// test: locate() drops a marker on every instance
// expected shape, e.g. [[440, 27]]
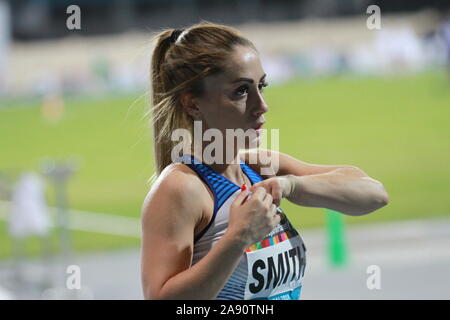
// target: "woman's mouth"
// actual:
[[258, 128]]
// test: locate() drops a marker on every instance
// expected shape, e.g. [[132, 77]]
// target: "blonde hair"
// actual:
[[180, 67]]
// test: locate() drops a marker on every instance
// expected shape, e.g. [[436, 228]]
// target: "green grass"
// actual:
[[395, 129], [81, 241]]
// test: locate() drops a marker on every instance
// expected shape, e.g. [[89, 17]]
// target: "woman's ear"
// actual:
[[189, 104]]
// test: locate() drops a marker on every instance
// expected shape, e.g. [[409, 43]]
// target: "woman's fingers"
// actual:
[[276, 193], [268, 200], [259, 193], [273, 187], [240, 199]]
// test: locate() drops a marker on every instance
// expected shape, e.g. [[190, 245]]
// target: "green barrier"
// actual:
[[337, 247]]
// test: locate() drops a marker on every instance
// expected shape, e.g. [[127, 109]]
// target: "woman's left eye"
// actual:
[[262, 86]]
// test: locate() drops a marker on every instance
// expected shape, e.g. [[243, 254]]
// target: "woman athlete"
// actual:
[[205, 237]]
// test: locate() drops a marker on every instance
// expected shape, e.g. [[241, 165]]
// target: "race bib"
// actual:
[[276, 265]]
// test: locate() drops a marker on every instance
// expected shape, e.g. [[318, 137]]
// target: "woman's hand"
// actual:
[[278, 187], [252, 216]]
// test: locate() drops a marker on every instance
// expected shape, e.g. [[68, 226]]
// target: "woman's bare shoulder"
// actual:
[[177, 177], [177, 186]]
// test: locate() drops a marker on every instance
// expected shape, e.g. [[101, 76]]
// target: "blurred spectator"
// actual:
[[398, 50], [29, 213], [445, 33], [5, 43]]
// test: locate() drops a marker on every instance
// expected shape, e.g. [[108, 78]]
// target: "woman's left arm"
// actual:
[[346, 189]]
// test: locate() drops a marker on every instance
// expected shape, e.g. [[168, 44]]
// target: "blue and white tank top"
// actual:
[[270, 269]]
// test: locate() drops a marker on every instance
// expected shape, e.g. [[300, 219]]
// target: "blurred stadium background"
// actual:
[[75, 143]]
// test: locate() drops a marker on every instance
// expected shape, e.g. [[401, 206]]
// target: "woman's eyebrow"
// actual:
[[248, 79]]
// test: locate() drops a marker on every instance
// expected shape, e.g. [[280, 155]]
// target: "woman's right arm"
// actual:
[[170, 215]]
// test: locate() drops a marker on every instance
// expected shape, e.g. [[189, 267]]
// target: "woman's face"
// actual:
[[233, 99]]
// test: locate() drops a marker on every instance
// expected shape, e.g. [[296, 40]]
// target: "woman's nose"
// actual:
[[261, 106]]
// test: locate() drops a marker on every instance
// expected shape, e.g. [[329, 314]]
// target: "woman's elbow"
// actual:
[[372, 201], [384, 199], [147, 293], [381, 197], [376, 201], [150, 292], [153, 295]]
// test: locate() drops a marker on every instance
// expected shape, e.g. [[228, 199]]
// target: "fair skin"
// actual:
[[179, 205]]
